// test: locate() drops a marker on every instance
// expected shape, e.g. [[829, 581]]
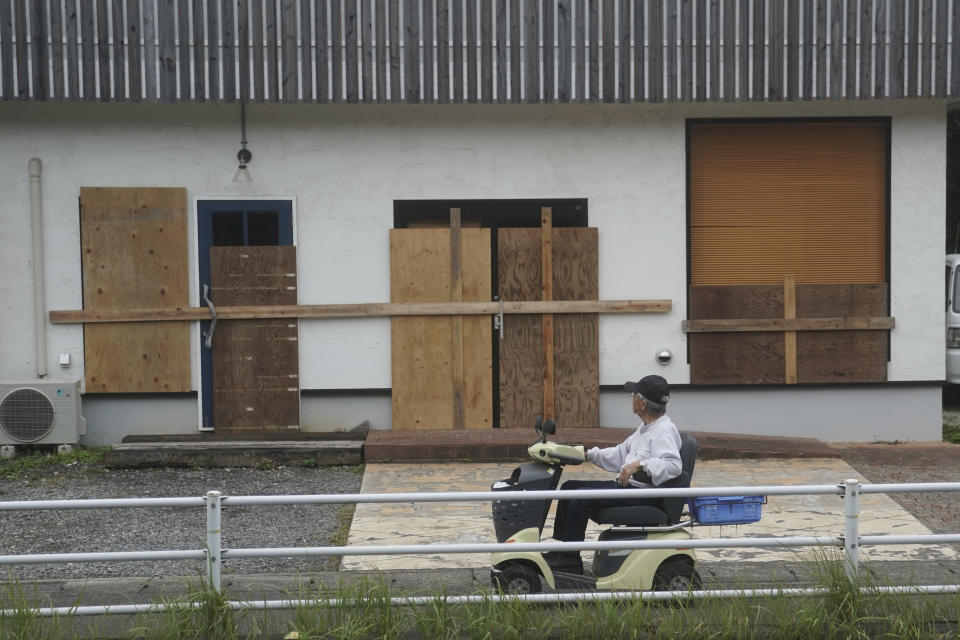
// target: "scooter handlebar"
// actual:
[[564, 457], [556, 452]]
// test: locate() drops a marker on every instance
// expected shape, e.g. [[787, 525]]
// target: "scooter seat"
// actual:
[[670, 508], [632, 516]]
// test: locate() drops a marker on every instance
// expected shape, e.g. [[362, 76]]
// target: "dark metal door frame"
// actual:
[[205, 239]]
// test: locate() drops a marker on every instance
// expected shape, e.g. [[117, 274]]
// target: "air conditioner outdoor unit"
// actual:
[[40, 412]]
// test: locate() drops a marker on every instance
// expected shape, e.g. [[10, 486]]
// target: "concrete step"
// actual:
[[234, 453]]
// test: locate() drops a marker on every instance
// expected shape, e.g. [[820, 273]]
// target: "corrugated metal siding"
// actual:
[[806, 199], [438, 51]]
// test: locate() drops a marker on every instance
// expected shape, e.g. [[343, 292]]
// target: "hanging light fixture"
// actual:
[[244, 156]]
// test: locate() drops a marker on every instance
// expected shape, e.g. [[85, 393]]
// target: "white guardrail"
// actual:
[[215, 555]]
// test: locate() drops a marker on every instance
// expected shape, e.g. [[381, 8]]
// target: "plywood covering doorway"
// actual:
[[572, 367], [527, 377], [441, 366], [255, 362], [248, 388]]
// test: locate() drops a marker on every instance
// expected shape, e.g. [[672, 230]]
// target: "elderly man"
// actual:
[[649, 457]]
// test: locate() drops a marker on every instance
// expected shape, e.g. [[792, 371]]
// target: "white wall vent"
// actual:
[[40, 412]]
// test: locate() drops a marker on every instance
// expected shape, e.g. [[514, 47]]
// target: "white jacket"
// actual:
[[657, 444]]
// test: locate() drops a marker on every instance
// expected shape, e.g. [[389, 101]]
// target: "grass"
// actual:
[[951, 433], [843, 613], [951, 413], [202, 614], [25, 623], [37, 460], [344, 518]]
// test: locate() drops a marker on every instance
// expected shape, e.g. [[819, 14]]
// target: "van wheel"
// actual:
[[518, 579], [676, 576]]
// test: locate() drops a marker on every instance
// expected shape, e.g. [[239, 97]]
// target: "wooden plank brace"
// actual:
[[363, 310], [546, 283], [790, 337], [456, 295]]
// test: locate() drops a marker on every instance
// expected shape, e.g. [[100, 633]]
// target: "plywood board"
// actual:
[[741, 358], [477, 331], [736, 301], [255, 385], [421, 347], [421, 356], [253, 275], [841, 300], [842, 356], [576, 336], [521, 349], [576, 340], [255, 362], [134, 256], [758, 357]]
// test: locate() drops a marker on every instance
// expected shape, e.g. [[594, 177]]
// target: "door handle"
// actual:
[[208, 338], [498, 319]]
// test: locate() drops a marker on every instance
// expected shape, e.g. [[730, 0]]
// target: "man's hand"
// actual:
[[628, 470]]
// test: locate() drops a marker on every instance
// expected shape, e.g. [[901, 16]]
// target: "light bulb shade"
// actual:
[[244, 156], [242, 176]]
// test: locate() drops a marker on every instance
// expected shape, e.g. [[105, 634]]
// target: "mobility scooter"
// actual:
[[629, 570]]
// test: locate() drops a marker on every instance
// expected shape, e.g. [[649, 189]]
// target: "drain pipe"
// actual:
[[39, 291]]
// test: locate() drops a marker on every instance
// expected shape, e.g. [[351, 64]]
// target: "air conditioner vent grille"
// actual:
[[26, 415]]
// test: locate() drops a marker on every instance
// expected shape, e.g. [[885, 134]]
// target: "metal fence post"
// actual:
[[213, 538], [851, 536]]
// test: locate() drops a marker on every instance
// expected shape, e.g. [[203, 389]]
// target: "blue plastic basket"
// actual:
[[727, 509]]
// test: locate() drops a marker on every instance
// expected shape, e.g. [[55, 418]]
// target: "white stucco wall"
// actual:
[[345, 166]]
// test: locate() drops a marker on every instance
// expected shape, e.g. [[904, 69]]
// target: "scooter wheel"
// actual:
[[676, 576], [518, 579]]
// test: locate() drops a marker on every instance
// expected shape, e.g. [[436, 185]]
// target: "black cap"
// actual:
[[653, 388]]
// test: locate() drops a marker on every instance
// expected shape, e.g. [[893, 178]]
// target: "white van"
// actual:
[[953, 318]]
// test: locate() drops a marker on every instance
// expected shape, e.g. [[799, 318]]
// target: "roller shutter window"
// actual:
[[772, 199], [806, 199]]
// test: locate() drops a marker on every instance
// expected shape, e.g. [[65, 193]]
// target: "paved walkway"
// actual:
[[913, 462], [467, 522]]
